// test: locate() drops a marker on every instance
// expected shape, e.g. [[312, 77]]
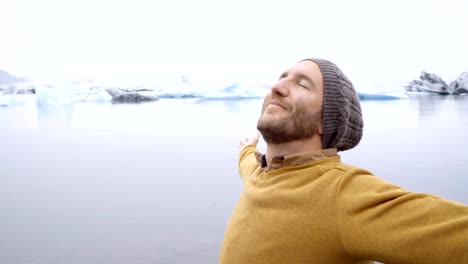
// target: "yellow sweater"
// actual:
[[328, 212]]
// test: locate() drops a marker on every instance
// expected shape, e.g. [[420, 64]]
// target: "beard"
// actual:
[[299, 124]]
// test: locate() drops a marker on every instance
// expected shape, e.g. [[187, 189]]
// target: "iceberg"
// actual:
[[123, 96], [67, 92], [377, 97], [431, 83], [18, 88], [94, 94], [3, 100], [460, 85], [54, 94]]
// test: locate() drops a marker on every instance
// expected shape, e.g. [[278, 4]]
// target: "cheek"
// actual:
[[267, 95], [265, 100], [314, 103]]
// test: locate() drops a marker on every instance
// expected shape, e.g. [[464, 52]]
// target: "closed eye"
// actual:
[[303, 85]]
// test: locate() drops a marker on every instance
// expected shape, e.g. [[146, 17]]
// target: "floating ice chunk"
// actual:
[[3, 100], [431, 83], [93, 94], [67, 92], [377, 97], [122, 96], [460, 85], [60, 93]]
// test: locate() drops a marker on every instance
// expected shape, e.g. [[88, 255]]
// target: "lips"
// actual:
[[277, 104]]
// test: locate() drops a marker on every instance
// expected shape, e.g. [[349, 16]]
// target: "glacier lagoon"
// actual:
[[96, 182]]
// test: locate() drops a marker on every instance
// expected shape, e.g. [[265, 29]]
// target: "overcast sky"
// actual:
[[371, 41]]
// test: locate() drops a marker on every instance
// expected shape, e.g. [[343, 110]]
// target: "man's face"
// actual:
[[292, 109]]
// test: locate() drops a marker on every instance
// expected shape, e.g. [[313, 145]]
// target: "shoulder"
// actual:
[[333, 165], [350, 177]]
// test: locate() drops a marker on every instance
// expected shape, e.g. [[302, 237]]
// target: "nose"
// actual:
[[280, 88]]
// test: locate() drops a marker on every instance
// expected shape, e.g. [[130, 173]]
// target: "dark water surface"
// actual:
[[156, 183]]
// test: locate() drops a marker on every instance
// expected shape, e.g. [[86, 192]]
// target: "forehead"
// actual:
[[309, 69]]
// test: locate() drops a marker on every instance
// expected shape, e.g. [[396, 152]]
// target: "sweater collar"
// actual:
[[294, 159]]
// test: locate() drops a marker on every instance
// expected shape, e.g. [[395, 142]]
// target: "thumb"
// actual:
[[254, 140]]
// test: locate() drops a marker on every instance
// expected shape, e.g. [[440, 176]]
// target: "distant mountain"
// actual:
[[6, 78]]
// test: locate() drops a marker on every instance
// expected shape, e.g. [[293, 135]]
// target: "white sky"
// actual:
[[372, 41]]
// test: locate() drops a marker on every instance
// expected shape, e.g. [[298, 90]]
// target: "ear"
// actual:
[[320, 128]]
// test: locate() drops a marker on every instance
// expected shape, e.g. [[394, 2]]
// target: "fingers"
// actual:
[[252, 141], [256, 137], [243, 143], [249, 141]]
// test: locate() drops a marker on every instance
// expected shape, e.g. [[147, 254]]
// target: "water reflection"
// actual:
[[440, 108], [428, 106], [461, 107], [55, 114]]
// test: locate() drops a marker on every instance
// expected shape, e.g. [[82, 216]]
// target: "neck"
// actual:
[[312, 144]]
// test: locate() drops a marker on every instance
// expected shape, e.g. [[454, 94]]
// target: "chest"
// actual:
[[286, 221]]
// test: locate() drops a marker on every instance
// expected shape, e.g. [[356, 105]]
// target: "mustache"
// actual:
[[275, 101]]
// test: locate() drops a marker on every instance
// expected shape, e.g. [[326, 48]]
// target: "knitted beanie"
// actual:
[[342, 117]]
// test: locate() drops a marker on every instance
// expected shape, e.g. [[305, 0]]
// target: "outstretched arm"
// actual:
[[247, 160], [249, 141], [384, 222]]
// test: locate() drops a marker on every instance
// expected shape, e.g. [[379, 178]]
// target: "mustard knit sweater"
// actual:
[[329, 212]]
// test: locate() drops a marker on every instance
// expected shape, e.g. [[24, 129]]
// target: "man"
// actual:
[[300, 204]]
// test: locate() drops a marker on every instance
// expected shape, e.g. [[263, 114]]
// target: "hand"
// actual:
[[249, 141]]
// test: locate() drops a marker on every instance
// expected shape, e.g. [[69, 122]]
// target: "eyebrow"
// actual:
[[298, 75]]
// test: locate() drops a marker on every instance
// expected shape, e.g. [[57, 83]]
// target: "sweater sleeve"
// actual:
[[386, 223], [247, 162]]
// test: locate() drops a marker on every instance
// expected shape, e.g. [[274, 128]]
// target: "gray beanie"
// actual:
[[342, 117]]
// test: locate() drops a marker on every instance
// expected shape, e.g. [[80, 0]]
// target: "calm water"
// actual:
[[156, 183]]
